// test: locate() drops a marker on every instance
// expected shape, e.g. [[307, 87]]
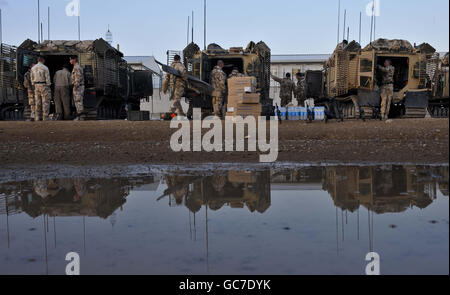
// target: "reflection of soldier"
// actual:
[[287, 86], [387, 87], [40, 79], [46, 188], [30, 90], [177, 85], [218, 81], [80, 188]]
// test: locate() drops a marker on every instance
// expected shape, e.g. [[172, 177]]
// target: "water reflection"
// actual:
[[378, 189]]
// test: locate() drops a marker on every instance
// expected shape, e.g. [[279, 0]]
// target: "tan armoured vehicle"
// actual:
[[351, 78], [254, 61]]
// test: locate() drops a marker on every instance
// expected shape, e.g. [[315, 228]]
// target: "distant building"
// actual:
[[109, 37], [159, 103], [293, 63]]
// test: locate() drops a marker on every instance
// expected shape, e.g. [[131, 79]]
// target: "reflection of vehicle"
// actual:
[[384, 189], [352, 79], [111, 85], [235, 189], [65, 197], [253, 61]]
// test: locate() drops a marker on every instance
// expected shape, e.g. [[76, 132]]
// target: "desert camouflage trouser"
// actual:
[[176, 102], [78, 98], [218, 102], [42, 96], [285, 101], [31, 102], [387, 93]]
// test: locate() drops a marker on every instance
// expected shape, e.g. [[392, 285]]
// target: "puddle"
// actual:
[[269, 220]]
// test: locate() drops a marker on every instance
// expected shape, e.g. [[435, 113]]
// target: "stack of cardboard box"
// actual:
[[242, 97]]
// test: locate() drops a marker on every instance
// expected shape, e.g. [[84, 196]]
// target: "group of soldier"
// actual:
[[288, 87], [218, 80], [38, 84]]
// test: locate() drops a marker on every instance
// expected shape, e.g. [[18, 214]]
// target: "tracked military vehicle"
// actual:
[[112, 87], [438, 68], [351, 78], [254, 61]]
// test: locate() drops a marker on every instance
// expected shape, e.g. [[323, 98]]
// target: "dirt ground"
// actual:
[[120, 142]]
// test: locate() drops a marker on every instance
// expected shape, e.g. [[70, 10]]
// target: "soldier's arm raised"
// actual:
[[276, 78]]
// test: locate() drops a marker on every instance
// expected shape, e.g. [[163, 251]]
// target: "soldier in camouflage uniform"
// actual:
[[236, 73], [286, 89], [218, 81], [300, 89], [78, 87], [40, 80], [30, 89], [387, 87], [177, 86]]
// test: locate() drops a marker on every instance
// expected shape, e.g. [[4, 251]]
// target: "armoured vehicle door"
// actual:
[[142, 83], [25, 59], [367, 70]]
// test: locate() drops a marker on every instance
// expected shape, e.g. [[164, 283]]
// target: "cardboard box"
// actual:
[[251, 98], [245, 110], [240, 85]]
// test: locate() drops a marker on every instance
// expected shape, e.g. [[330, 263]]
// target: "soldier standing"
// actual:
[[235, 73], [40, 79], [62, 81], [177, 86], [78, 87], [300, 89], [30, 90], [218, 81], [387, 87], [287, 86]]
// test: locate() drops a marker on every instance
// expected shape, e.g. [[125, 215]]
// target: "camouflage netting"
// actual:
[[445, 60], [395, 45], [68, 46], [426, 48], [190, 51]]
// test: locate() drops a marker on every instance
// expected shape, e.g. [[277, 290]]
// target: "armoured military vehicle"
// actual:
[[351, 78], [438, 69], [254, 61], [112, 87]]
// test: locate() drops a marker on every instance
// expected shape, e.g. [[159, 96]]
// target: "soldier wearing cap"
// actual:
[[177, 86]]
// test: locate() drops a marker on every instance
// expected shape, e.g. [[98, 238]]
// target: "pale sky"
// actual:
[[151, 27]]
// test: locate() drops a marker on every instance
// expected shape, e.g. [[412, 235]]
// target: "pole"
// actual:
[[204, 26], [374, 26], [1, 28], [345, 18], [360, 24], [339, 21], [39, 22], [371, 26], [348, 34], [192, 26], [48, 22], [188, 27]]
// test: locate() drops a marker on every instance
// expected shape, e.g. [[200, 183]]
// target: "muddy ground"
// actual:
[[120, 142]]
